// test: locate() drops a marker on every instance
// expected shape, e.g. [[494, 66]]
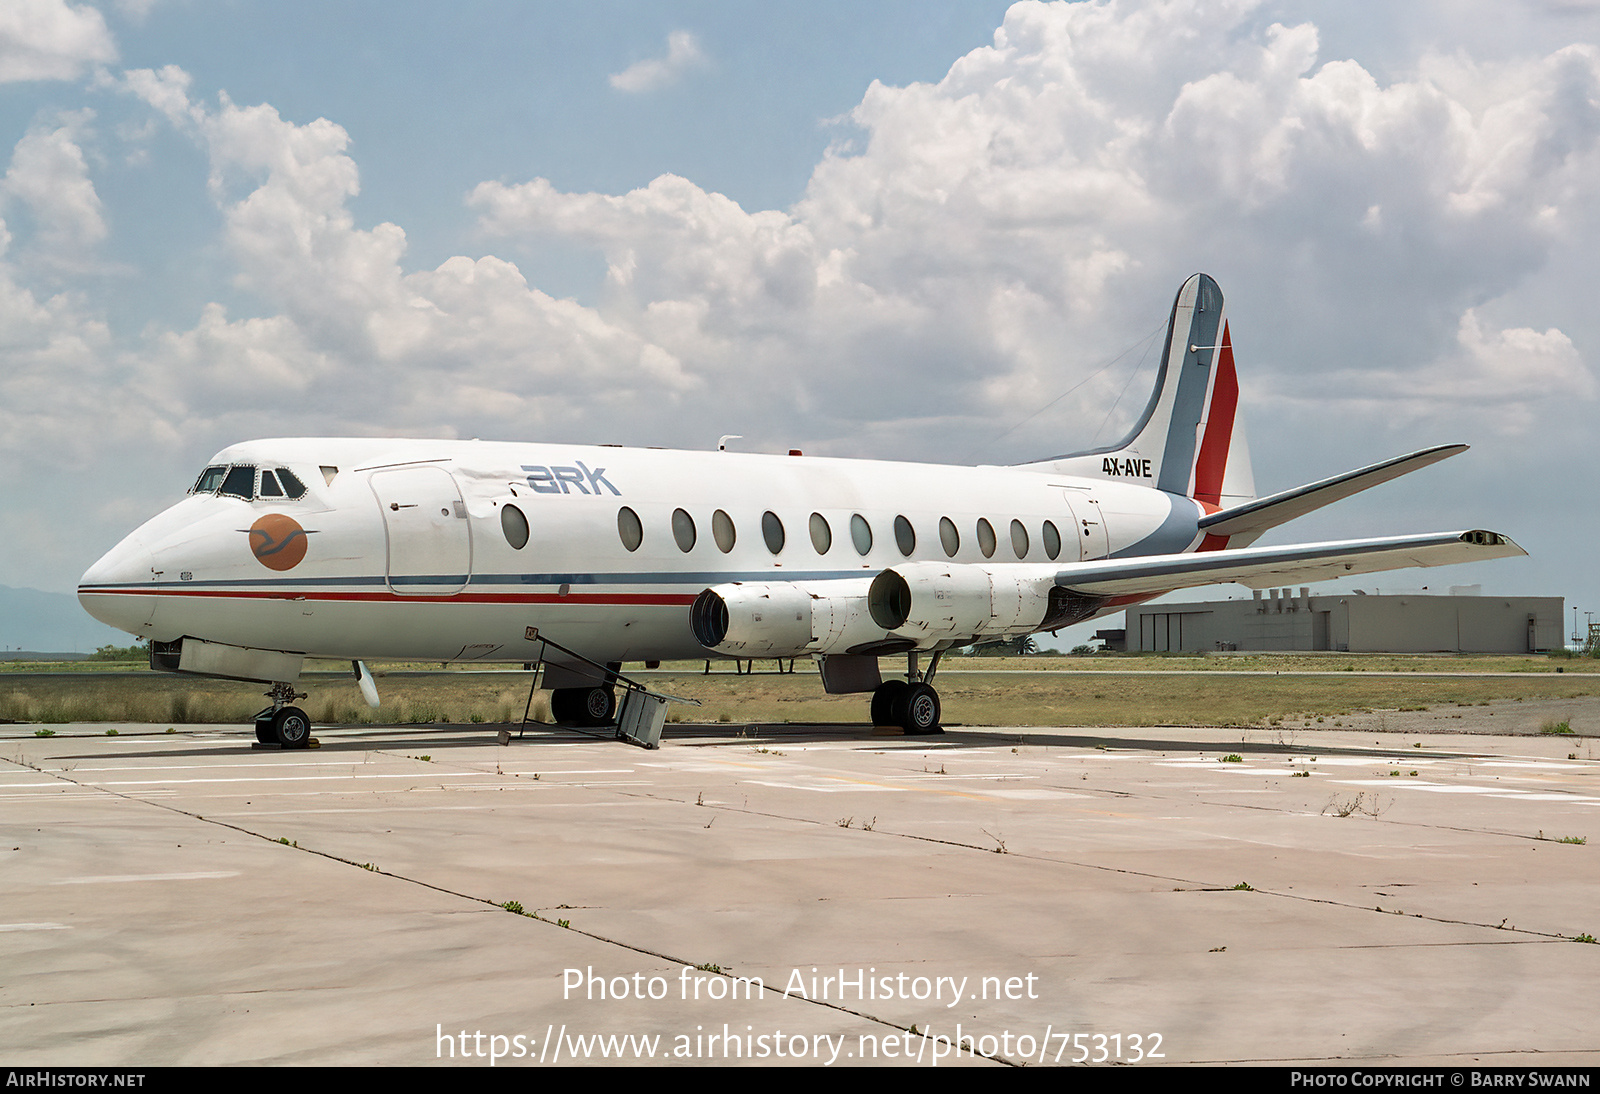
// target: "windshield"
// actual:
[[245, 482]]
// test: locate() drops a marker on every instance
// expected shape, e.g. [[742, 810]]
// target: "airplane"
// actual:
[[575, 559]]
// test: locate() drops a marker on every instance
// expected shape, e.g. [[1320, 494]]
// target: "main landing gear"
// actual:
[[282, 724], [592, 706], [910, 704]]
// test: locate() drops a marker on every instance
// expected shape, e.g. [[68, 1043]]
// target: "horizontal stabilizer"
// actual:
[[1264, 567], [1255, 517]]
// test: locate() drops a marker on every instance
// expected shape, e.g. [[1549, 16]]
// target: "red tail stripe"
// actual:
[[1213, 461]]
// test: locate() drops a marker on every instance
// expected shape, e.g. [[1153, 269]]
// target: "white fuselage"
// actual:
[[403, 548]]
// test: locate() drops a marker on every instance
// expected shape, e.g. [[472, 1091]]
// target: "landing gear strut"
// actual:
[[911, 704], [282, 724]]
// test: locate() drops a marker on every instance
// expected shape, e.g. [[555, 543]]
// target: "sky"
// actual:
[[940, 231]]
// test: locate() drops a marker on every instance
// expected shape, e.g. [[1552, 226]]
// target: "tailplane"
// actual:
[[1190, 439]]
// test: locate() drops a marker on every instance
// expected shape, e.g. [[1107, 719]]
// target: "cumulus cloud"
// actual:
[[49, 175], [1082, 165], [363, 342], [967, 251], [683, 54], [166, 89], [51, 40]]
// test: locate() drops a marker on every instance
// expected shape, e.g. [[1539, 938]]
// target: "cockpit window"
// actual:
[[209, 480], [240, 483], [291, 485]]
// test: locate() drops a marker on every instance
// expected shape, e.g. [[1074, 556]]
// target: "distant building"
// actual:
[[1283, 619]]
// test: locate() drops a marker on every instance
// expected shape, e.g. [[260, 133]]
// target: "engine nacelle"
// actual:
[[932, 602], [784, 618]]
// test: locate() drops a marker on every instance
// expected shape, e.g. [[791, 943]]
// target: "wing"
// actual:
[[1264, 567], [926, 603]]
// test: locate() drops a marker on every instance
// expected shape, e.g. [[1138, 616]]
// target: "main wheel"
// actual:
[[883, 702], [583, 706], [599, 706], [264, 731], [291, 728], [917, 709]]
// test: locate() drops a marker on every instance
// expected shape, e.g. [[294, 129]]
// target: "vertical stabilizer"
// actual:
[[1190, 439]]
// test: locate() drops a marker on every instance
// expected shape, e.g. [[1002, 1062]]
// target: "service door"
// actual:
[[1090, 524], [429, 541]]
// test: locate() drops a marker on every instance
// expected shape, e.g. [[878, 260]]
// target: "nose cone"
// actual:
[[118, 590]]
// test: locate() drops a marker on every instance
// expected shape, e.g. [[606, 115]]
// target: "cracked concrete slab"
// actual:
[[181, 898]]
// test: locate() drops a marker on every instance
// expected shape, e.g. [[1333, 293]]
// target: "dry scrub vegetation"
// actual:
[[1026, 691]]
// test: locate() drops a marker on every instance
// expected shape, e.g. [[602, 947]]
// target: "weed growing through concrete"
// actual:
[[1349, 806]]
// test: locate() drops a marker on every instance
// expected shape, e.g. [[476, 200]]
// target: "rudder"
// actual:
[[1189, 440]]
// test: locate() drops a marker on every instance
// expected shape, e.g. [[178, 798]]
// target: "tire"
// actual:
[[918, 709], [883, 702], [291, 728], [583, 706], [264, 731], [599, 706], [564, 706]]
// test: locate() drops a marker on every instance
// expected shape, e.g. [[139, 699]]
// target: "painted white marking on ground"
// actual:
[[117, 879]]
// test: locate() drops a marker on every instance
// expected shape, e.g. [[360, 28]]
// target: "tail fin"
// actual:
[[1189, 440]]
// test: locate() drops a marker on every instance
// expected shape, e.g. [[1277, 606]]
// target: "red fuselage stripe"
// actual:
[[394, 598]]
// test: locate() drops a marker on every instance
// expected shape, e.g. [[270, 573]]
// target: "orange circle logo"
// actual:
[[278, 542]]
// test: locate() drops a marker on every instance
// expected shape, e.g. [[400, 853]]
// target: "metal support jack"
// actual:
[[641, 713]]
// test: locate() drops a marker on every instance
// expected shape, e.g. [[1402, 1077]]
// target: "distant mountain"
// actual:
[[53, 622]]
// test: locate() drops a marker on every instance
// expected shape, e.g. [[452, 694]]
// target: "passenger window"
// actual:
[[683, 530], [949, 538], [860, 534], [240, 483], [291, 485], [821, 534], [269, 485], [722, 531], [629, 528], [772, 531], [515, 526], [1052, 540], [1019, 539], [986, 539], [905, 537]]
